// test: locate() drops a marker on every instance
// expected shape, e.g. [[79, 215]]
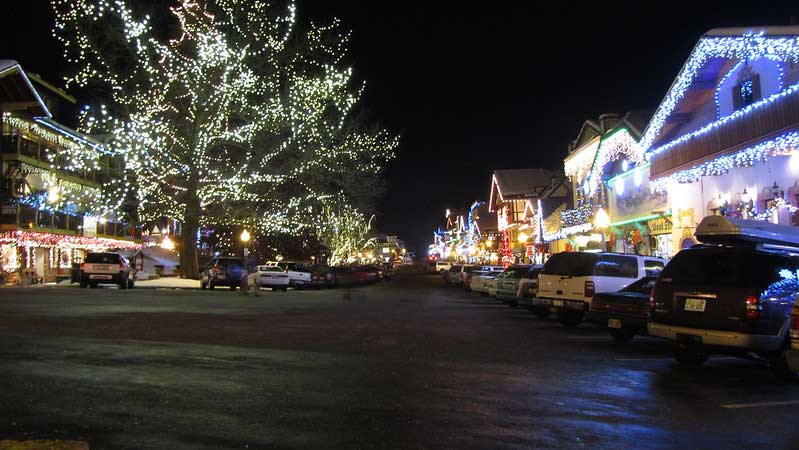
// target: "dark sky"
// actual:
[[477, 88]]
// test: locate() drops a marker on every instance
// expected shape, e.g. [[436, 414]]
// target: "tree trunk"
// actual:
[[189, 263]]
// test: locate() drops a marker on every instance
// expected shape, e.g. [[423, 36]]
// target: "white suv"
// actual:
[[568, 281]]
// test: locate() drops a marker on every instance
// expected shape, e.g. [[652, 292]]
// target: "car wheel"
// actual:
[[211, 285], [570, 318], [232, 287], [285, 289], [542, 313], [622, 336], [83, 284], [92, 285], [203, 286], [123, 283], [131, 284], [690, 356]]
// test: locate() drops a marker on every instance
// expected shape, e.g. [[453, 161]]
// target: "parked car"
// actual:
[[528, 290], [299, 273], [732, 295], [322, 276], [222, 271], [343, 276], [461, 277], [568, 281], [442, 267], [453, 275], [491, 287], [106, 268], [374, 273], [508, 283], [625, 312], [272, 277], [481, 279], [388, 271], [361, 275]]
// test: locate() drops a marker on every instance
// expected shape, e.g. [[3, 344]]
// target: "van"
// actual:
[[568, 281]]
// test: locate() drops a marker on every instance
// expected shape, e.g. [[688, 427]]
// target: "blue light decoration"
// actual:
[[577, 216], [611, 148], [781, 145], [749, 46]]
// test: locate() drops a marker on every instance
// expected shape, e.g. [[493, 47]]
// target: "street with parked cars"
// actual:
[[735, 293]]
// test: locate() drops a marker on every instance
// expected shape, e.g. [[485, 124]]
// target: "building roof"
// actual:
[[17, 94], [523, 182]]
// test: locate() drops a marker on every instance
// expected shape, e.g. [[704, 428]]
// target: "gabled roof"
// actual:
[[716, 52], [522, 182], [17, 94]]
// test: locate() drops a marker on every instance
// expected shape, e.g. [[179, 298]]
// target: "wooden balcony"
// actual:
[[757, 125]]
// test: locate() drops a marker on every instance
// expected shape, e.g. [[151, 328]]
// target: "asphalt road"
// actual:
[[408, 364]]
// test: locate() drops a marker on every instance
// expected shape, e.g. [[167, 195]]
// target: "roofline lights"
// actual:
[[30, 85]]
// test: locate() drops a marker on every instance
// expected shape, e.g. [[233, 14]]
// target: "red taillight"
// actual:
[[121, 266], [82, 266], [589, 288], [753, 307]]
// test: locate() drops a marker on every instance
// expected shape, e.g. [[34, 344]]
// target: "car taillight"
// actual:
[[121, 266], [753, 307], [589, 288], [652, 300], [82, 266], [795, 327]]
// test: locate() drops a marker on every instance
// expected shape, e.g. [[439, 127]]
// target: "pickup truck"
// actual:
[[299, 273], [106, 268]]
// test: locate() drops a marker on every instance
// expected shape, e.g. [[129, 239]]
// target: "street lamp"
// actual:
[[53, 195], [601, 222], [245, 236]]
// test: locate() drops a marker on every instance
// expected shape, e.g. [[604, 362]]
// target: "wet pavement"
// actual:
[[408, 364]]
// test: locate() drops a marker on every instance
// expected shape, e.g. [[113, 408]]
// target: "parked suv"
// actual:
[[731, 294], [222, 271], [106, 268], [569, 280]]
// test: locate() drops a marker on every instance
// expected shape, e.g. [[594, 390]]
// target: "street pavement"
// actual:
[[406, 364]]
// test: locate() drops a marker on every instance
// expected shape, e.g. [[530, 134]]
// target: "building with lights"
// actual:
[[57, 186], [514, 198], [725, 138]]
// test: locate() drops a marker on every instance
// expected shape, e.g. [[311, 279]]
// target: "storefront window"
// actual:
[[8, 257]]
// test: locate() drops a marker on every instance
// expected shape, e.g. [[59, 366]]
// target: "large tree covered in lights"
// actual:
[[344, 230], [239, 117]]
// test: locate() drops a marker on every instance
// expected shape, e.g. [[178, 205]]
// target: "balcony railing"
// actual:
[[40, 220], [760, 123]]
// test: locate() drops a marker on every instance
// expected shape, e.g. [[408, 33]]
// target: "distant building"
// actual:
[[52, 179]]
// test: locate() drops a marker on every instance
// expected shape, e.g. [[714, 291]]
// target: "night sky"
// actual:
[[477, 88]]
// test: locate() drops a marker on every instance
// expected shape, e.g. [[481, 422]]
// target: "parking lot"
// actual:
[[410, 363]]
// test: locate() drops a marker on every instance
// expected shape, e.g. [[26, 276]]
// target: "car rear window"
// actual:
[[513, 272], [618, 266], [729, 268], [224, 262], [102, 258], [570, 264], [532, 272]]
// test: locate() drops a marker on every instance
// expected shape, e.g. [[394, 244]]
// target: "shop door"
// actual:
[[40, 256]]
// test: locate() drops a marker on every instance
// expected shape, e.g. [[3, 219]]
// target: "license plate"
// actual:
[[558, 303], [695, 304], [614, 323], [100, 277]]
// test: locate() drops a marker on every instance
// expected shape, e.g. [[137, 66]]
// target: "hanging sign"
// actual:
[[661, 225]]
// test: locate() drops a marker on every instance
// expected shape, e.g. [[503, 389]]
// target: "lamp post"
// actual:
[[601, 222], [245, 239]]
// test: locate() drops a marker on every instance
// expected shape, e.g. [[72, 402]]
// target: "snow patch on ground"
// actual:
[[169, 283]]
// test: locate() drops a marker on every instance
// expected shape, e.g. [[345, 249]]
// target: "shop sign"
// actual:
[[660, 225]]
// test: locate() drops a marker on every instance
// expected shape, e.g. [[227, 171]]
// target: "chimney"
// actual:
[[608, 121]]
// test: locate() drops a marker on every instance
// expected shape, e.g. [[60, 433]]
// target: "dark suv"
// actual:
[[222, 271], [731, 299]]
